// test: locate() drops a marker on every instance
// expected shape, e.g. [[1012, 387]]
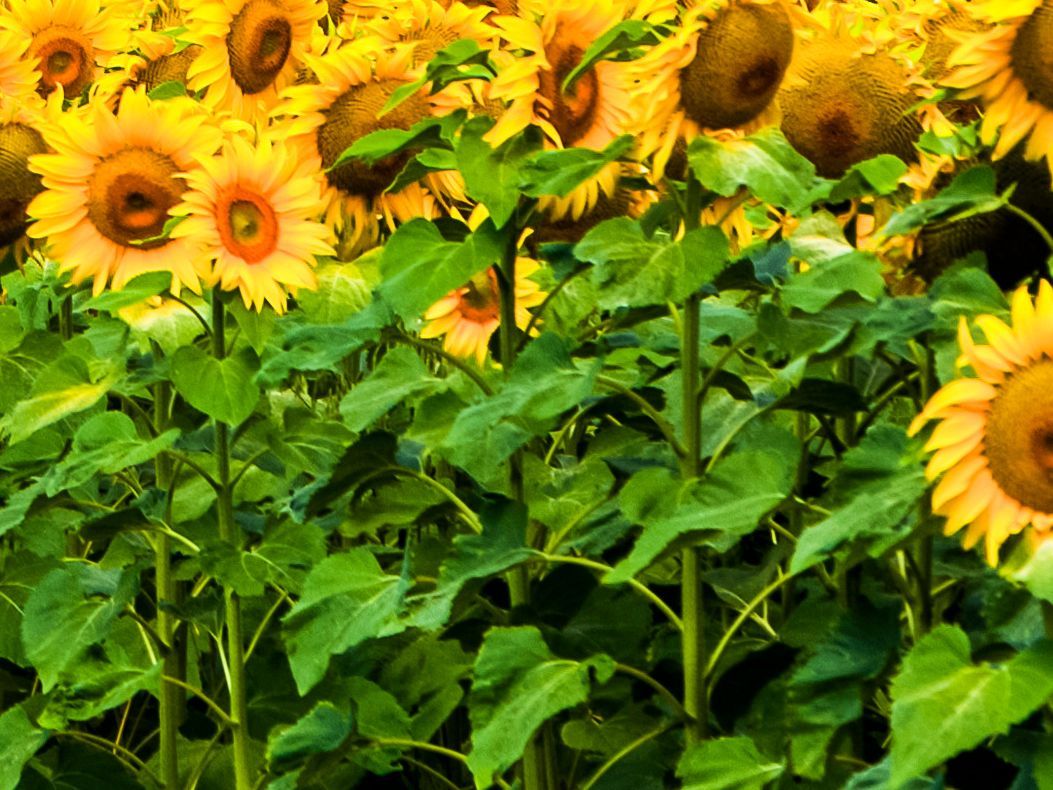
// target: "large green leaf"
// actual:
[[717, 510], [71, 609], [346, 600], [630, 270], [420, 267], [493, 176], [400, 375], [223, 389], [19, 741], [323, 729], [971, 192], [726, 764], [518, 685]]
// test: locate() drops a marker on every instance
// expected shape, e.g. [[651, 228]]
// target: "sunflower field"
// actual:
[[528, 394]]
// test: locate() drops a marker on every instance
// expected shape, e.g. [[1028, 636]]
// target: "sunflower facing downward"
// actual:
[[1008, 64], [249, 218], [250, 50], [110, 183], [467, 317], [994, 443]]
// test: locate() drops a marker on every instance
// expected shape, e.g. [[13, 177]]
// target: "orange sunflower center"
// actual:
[[66, 58], [1018, 440], [129, 195], [480, 302], [353, 115], [572, 113], [247, 224], [1032, 54], [17, 185], [742, 57], [258, 45]]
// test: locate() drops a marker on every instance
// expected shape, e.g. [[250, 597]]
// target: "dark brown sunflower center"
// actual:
[[168, 68], [568, 229], [129, 195], [258, 45], [479, 302], [742, 56], [842, 108], [572, 113], [1018, 440], [353, 115], [66, 59], [430, 41], [17, 143], [247, 225], [1032, 54]]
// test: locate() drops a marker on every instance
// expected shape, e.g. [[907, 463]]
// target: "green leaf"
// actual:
[[134, 291], [383, 143], [493, 176], [815, 289], [344, 289], [322, 730], [168, 90], [462, 60], [223, 389], [518, 685], [881, 482], [631, 270], [621, 42], [420, 267], [560, 172], [971, 192], [19, 741], [63, 388], [877, 176], [858, 647], [106, 443], [726, 764], [764, 163], [71, 609], [943, 704], [400, 375], [717, 510], [346, 600]]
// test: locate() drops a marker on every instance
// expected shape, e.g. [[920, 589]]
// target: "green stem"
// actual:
[[171, 698], [519, 577], [65, 318], [228, 532]]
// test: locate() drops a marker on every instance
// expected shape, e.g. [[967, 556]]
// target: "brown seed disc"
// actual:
[[572, 113], [1018, 439], [67, 58], [129, 195], [18, 142], [1032, 54], [840, 109], [168, 68], [353, 115], [939, 45], [742, 57], [572, 230], [12, 221], [258, 44]]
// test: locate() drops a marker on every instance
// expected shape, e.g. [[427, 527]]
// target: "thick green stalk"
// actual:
[[533, 766], [228, 531], [171, 699], [696, 701]]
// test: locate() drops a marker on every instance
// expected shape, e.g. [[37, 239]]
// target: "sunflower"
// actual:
[[249, 217], [154, 59], [250, 50], [994, 443], [431, 26], [467, 317], [1007, 64], [18, 76], [323, 119], [843, 103], [70, 40], [597, 107], [720, 69], [109, 186]]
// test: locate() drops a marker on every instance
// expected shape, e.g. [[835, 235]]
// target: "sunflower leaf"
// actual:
[[493, 175], [223, 389], [19, 741], [726, 764], [560, 172], [970, 193], [622, 42]]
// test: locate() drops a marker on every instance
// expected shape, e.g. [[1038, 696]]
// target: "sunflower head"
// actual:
[[742, 51], [18, 142], [841, 106], [993, 445]]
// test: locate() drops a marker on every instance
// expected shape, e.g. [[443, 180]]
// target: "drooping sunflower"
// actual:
[[720, 69], [109, 186], [250, 50], [249, 221], [467, 317], [71, 40], [1008, 64], [154, 59], [323, 119], [843, 102], [994, 442], [597, 107], [431, 26]]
